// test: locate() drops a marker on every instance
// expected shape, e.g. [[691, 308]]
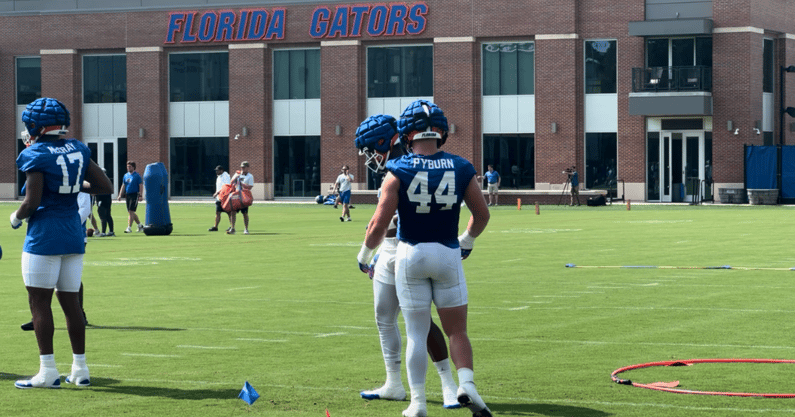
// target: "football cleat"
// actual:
[[416, 410], [450, 395], [396, 393], [79, 377], [49, 379], [469, 398]]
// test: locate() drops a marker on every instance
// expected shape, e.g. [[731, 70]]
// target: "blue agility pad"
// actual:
[[158, 218]]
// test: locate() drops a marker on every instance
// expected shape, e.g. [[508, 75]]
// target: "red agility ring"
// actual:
[[669, 386]]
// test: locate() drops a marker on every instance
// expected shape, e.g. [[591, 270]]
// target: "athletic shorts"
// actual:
[[61, 272], [385, 267], [429, 272], [244, 210], [132, 201], [219, 207], [345, 197], [493, 189]]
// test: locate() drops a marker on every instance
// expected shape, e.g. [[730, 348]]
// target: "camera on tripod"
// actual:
[[570, 171]]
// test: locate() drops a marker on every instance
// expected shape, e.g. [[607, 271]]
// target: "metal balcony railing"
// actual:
[[665, 79]]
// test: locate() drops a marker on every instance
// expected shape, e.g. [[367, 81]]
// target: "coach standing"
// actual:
[[132, 189]]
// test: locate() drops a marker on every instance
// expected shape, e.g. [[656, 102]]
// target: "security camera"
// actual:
[[737, 131], [757, 131]]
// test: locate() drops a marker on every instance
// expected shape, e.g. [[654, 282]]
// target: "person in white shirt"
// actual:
[[221, 179], [343, 186], [242, 180]]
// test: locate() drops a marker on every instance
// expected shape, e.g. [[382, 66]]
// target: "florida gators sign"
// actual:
[[345, 21]]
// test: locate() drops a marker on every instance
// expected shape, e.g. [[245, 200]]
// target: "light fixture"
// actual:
[[244, 131], [141, 132], [554, 127], [338, 130], [452, 128], [729, 126], [737, 131]]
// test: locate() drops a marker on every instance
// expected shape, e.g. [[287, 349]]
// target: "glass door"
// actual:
[[682, 157], [105, 152]]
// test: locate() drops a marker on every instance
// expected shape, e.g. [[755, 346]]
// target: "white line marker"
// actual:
[[330, 334], [208, 347], [262, 340], [151, 355], [242, 288]]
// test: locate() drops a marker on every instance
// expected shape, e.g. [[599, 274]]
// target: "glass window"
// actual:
[[192, 163], [768, 67], [405, 71], [600, 67], [600, 161], [683, 52], [28, 79], [513, 157], [704, 52], [199, 76], [296, 166], [508, 68], [657, 52], [296, 74], [105, 79]]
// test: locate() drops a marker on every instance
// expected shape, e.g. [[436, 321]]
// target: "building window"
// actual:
[[508, 69], [513, 157], [199, 76], [105, 79], [192, 165], [768, 67], [296, 74], [400, 71], [28, 79], [600, 67], [296, 161], [679, 52], [600, 161]]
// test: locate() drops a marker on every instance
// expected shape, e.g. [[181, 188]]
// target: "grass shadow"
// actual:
[[550, 410], [134, 328]]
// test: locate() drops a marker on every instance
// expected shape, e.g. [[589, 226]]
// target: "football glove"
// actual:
[[15, 222], [364, 259], [372, 266], [466, 242]]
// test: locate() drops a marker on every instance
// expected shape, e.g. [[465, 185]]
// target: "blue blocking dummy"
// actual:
[[158, 218]]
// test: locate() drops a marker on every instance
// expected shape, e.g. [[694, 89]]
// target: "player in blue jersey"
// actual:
[[132, 190], [376, 139], [426, 187], [52, 256]]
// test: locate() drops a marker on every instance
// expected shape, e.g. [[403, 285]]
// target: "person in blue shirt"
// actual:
[[574, 178], [52, 255], [426, 187], [493, 179], [132, 190]]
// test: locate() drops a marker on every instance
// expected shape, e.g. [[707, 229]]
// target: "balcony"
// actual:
[[671, 91]]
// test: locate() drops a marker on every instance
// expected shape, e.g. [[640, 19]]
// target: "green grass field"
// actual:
[[180, 322]]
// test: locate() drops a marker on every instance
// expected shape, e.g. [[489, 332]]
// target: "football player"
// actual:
[[376, 139], [426, 187], [52, 256]]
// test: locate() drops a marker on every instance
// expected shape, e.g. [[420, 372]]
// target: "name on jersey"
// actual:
[[327, 22], [433, 163], [62, 149]]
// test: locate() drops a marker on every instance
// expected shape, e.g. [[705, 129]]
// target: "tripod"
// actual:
[[563, 193]]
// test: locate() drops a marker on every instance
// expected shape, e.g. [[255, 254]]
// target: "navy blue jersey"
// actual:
[[55, 227], [431, 191]]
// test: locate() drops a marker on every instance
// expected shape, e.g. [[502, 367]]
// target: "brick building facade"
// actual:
[[600, 99]]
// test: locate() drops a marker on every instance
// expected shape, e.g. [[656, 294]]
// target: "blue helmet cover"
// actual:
[[375, 133], [419, 116], [44, 112]]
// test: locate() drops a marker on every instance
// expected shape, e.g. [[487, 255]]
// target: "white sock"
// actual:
[[445, 373], [47, 362], [78, 361], [417, 393], [466, 375]]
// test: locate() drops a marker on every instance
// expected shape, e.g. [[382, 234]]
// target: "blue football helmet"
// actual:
[[45, 116], [376, 138], [424, 118]]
